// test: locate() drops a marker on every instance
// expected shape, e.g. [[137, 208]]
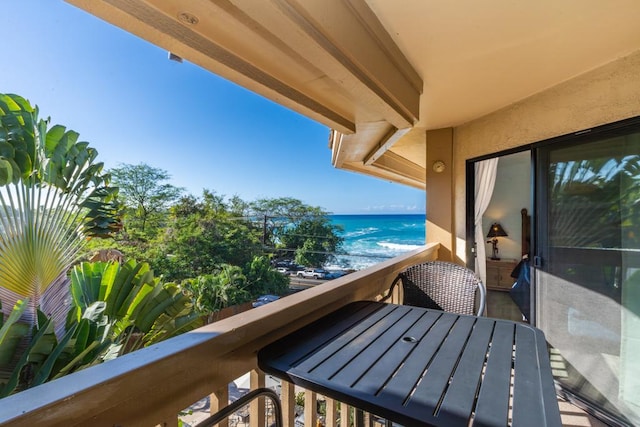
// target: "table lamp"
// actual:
[[495, 231]]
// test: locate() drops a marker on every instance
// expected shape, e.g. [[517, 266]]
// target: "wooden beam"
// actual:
[[385, 144]]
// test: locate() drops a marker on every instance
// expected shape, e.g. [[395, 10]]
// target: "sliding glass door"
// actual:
[[587, 266]]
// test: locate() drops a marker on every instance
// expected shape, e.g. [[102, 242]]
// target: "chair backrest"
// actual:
[[443, 285]]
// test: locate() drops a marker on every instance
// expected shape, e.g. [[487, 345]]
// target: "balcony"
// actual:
[[152, 386]]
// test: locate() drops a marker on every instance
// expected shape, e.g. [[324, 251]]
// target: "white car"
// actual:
[[312, 273], [282, 270]]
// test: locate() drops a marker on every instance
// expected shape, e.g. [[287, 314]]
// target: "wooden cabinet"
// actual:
[[499, 274]]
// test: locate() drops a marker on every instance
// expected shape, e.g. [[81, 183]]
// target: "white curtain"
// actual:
[[485, 181]]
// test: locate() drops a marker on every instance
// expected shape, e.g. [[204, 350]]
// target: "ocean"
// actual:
[[370, 239]]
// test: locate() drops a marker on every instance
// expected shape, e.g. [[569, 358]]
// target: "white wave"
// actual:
[[361, 232], [398, 246]]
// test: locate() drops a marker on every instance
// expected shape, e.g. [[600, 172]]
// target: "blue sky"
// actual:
[[134, 106]]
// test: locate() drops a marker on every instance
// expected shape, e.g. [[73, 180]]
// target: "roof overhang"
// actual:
[[360, 66]]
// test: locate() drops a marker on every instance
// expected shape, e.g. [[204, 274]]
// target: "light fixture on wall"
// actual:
[[495, 231], [438, 166]]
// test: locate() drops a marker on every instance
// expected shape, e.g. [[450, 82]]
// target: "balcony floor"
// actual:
[[500, 305]]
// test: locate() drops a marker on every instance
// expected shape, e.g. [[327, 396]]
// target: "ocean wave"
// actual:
[[371, 239], [360, 232], [398, 246]]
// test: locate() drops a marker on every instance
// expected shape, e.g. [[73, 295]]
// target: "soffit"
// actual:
[[476, 57], [361, 66]]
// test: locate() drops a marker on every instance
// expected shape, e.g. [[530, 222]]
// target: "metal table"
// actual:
[[416, 366]]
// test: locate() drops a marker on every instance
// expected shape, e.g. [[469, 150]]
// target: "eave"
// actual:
[[330, 60]]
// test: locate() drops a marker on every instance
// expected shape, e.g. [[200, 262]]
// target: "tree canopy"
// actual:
[[200, 235], [145, 193], [299, 231], [196, 235]]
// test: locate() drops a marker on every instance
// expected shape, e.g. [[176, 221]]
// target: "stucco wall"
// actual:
[[604, 95]]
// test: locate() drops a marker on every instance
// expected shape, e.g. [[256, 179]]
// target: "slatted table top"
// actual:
[[416, 366]]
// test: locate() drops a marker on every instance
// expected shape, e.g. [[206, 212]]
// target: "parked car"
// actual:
[[334, 274], [264, 299], [282, 270], [312, 273]]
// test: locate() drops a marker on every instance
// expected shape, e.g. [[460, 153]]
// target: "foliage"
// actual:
[[45, 357], [201, 235], [230, 285], [594, 203], [263, 279], [54, 196], [11, 333], [132, 308], [115, 310], [145, 193], [303, 230], [198, 234], [592, 200], [213, 292]]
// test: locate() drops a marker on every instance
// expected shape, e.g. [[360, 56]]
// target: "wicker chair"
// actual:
[[443, 286]]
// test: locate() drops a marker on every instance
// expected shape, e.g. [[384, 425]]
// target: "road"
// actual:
[[300, 281]]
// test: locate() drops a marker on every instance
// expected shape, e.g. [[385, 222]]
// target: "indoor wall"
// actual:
[[512, 193]]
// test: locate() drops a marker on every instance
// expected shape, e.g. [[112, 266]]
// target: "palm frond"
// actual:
[[54, 195]]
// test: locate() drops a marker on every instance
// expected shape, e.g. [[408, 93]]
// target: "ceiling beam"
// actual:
[[385, 144]]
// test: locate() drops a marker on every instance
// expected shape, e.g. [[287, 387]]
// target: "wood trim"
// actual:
[[362, 47], [385, 144]]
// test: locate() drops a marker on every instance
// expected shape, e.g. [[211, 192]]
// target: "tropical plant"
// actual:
[[231, 285], [213, 292], [116, 309], [55, 195], [202, 235], [45, 357], [130, 305], [263, 279], [11, 333], [592, 199]]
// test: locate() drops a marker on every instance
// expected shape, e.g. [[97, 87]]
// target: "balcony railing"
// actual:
[[151, 386]]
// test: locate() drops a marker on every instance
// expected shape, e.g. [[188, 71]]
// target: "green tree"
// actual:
[[55, 196], [145, 193], [202, 234], [299, 230], [239, 208]]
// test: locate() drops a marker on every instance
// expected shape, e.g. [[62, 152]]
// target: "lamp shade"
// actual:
[[496, 230]]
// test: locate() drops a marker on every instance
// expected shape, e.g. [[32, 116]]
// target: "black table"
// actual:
[[417, 366]]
